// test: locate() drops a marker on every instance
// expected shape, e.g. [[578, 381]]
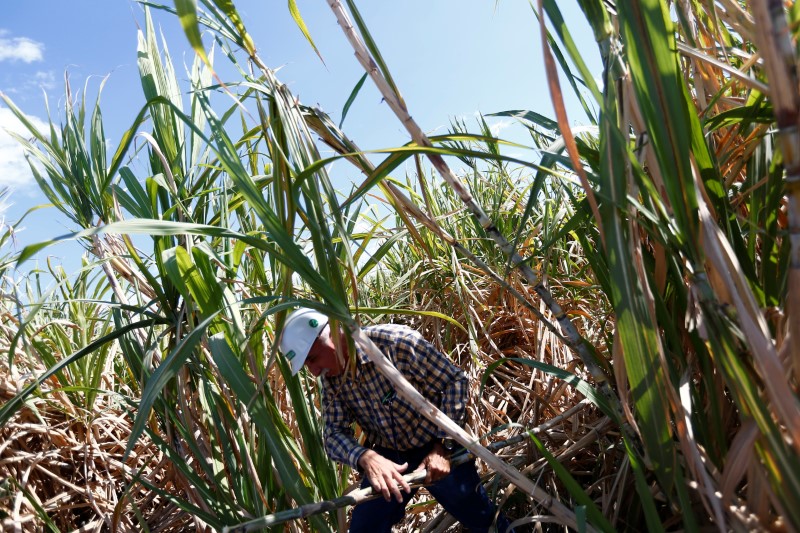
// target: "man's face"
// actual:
[[322, 358]]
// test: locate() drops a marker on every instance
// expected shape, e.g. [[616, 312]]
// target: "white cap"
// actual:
[[299, 333]]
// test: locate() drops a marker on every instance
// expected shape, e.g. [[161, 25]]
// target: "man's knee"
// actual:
[[463, 496], [378, 515], [372, 517]]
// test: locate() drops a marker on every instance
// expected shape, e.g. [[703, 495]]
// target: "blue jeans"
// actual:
[[460, 493]]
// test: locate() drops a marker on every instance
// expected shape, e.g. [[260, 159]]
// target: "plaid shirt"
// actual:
[[369, 399]]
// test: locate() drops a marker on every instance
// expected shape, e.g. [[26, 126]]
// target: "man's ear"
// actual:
[[345, 350]]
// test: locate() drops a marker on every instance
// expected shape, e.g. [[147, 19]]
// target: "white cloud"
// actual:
[[14, 169], [42, 80], [20, 49], [45, 79], [4, 205], [499, 126]]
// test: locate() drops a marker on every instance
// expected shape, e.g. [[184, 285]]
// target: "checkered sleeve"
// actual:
[[437, 378], [340, 442]]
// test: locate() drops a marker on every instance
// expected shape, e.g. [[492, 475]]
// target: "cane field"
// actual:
[[621, 298]]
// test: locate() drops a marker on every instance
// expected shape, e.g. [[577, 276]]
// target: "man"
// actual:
[[399, 439]]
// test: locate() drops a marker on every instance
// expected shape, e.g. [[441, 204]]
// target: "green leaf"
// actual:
[[637, 329], [195, 277], [295, 12], [187, 14], [529, 116], [649, 40], [227, 7], [352, 98]]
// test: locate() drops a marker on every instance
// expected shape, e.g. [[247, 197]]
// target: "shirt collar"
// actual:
[[362, 358]]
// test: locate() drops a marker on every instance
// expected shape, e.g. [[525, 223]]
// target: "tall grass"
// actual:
[[644, 262]]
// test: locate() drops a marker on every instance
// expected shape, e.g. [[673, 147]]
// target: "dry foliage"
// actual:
[[67, 464]]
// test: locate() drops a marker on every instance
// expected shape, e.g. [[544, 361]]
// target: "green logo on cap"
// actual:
[[290, 355], [313, 323]]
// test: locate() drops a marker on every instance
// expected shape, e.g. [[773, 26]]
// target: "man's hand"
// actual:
[[436, 463], [384, 475]]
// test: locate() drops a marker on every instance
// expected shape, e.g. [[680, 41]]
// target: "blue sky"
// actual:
[[450, 58]]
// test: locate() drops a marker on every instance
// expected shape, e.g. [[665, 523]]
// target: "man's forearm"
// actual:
[[343, 448]]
